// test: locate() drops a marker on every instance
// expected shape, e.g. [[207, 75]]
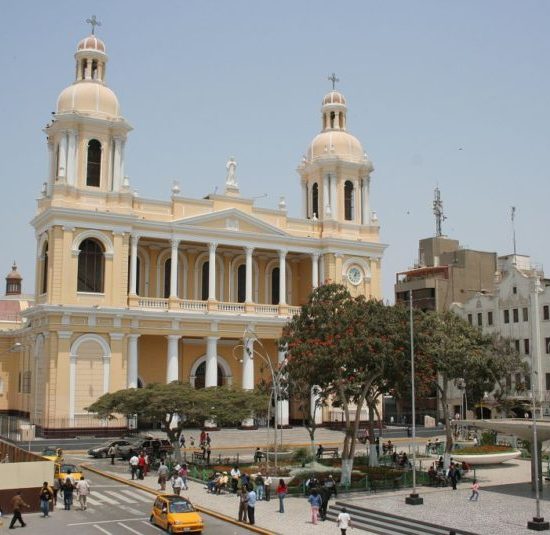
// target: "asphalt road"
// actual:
[[113, 509]]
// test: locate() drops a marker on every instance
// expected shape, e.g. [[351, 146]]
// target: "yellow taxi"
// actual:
[[176, 514], [52, 454], [65, 470]]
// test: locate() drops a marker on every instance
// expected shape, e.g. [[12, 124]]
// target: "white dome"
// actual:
[[91, 43], [89, 97], [336, 143]]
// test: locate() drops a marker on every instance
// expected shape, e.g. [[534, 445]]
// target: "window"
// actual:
[[546, 312], [94, 69], [167, 275], [26, 384], [479, 319], [515, 312], [548, 381], [526, 346], [315, 200], [94, 163], [525, 313], [348, 201], [241, 284], [275, 286], [45, 269], [84, 67], [516, 345], [506, 316], [515, 290], [332, 117], [489, 318], [470, 319], [201, 373], [527, 380], [90, 267], [547, 345], [205, 281]]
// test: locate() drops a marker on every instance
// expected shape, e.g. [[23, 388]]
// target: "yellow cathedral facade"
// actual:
[[130, 291]]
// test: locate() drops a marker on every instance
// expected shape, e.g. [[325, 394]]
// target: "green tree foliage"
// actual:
[[176, 405]]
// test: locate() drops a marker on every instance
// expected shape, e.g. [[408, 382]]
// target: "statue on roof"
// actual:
[[231, 178]]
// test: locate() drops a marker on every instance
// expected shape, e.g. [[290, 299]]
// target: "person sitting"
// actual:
[[213, 481], [258, 455], [432, 476], [320, 451], [221, 483]]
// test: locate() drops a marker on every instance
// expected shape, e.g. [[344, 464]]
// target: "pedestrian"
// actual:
[[134, 460], [267, 487], [320, 451], [112, 453], [46, 496], [324, 493], [83, 489], [182, 440], [208, 439], [243, 505], [315, 501], [235, 474], [202, 439], [452, 475], [343, 521], [146, 465], [251, 506], [208, 453], [17, 503], [68, 489], [177, 484], [162, 475], [57, 484], [259, 483], [282, 491], [141, 465], [330, 484], [475, 491], [183, 473]]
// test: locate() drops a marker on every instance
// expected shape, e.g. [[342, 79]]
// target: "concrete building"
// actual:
[[132, 290]]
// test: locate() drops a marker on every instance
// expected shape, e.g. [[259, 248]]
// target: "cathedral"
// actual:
[[130, 291]]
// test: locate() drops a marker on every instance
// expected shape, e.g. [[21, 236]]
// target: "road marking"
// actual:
[[101, 529], [120, 496], [106, 521], [151, 525], [131, 510], [130, 529], [93, 500], [105, 499], [144, 497]]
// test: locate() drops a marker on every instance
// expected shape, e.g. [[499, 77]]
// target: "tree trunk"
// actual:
[[445, 407], [347, 467]]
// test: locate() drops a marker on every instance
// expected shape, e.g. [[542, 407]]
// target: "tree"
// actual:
[[176, 405], [347, 346]]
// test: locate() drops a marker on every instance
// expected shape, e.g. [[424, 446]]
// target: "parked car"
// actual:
[[175, 514], [150, 446], [103, 449]]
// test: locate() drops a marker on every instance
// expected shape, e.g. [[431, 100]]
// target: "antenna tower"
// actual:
[[438, 212]]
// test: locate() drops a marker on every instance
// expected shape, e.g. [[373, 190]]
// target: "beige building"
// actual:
[[131, 291]]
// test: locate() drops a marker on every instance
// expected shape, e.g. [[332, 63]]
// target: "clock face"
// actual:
[[354, 275]]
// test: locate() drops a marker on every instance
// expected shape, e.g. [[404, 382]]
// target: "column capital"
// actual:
[[133, 336], [212, 338], [249, 250], [315, 255], [135, 237], [175, 243], [173, 337], [282, 253], [212, 246]]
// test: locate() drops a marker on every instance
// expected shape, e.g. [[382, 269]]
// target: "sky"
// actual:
[[440, 93]]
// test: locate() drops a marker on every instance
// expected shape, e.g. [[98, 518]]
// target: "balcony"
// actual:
[[220, 307]]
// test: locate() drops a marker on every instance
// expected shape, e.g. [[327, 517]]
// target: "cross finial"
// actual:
[[94, 22], [333, 79]]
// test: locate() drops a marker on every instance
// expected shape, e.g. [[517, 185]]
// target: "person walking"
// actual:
[[208, 439], [251, 506], [259, 483], [282, 491], [475, 491], [315, 501], [324, 494], [177, 484], [46, 496], [267, 487], [134, 460], [112, 453], [343, 521], [162, 475], [68, 489], [452, 475], [330, 484], [17, 503], [243, 505], [57, 484], [142, 463], [83, 490], [184, 473]]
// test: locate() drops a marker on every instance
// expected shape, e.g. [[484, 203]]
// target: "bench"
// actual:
[[331, 452], [198, 458]]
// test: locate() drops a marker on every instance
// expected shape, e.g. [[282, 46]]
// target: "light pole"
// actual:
[[413, 498]]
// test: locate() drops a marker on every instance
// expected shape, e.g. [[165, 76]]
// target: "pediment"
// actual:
[[231, 220]]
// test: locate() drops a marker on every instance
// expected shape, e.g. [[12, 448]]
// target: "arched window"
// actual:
[[201, 373], [332, 117], [84, 67], [45, 269], [275, 274], [348, 200], [315, 200], [91, 266], [94, 69], [204, 285], [167, 274], [94, 163], [241, 283]]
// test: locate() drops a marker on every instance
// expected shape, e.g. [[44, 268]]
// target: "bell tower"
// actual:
[[87, 134]]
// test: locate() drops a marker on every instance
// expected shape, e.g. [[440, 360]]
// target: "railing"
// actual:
[[266, 309], [188, 304], [152, 302], [231, 307], [292, 310]]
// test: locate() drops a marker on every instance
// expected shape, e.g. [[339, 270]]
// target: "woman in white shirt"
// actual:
[[344, 521]]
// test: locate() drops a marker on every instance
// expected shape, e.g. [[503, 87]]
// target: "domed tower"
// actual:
[[335, 171], [87, 135], [13, 281]]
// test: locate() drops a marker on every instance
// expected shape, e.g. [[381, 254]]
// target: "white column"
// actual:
[[327, 209], [304, 199], [249, 251], [132, 366], [315, 270], [357, 201], [51, 170], [365, 216], [72, 387], [172, 361], [322, 276], [212, 272], [117, 175], [211, 371], [174, 269], [334, 204], [134, 239], [248, 364], [106, 372], [282, 277], [62, 163], [284, 414], [71, 158], [122, 147]]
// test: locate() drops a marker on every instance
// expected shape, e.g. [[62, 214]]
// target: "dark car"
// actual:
[[103, 449], [154, 447]]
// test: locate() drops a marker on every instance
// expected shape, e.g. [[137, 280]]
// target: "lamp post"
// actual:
[[413, 498]]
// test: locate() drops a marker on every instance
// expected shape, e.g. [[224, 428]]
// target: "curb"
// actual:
[[199, 508]]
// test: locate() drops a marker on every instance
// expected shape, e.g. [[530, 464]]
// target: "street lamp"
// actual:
[[413, 498]]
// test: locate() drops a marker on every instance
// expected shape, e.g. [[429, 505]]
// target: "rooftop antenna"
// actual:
[[513, 218], [438, 212]]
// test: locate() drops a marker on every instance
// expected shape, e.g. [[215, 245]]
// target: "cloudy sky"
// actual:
[[455, 94]]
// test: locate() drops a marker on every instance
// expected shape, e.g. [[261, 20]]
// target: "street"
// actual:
[[113, 509]]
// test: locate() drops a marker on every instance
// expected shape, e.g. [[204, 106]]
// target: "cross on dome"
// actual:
[[333, 79], [93, 22]]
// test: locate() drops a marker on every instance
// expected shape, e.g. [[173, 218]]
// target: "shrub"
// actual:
[[303, 456], [483, 450]]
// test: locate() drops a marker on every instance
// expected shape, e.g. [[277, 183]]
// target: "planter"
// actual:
[[488, 458], [281, 455]]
